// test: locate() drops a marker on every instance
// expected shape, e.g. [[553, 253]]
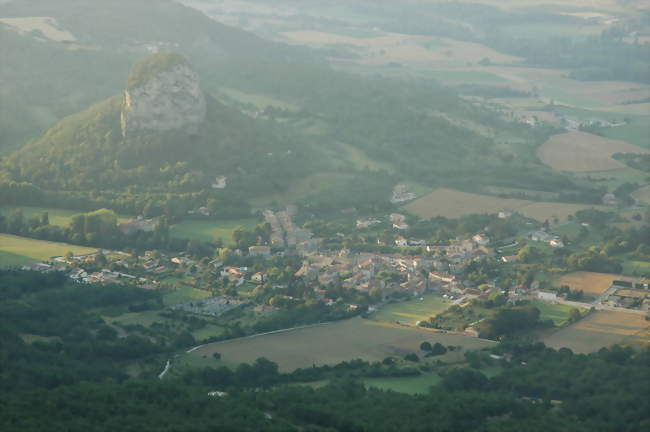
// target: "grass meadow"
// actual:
[[15, 251], [412, 311], [204, 230]]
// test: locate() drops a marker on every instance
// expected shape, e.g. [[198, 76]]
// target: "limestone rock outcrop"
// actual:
[[163, 94]]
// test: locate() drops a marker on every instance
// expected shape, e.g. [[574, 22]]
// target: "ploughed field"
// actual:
[[332, 343], [601, 329], [452, 203]]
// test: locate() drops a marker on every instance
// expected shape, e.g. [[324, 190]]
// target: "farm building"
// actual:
[[546, 295], [259, 251]]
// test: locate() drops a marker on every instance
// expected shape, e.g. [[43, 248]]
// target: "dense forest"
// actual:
[[64, 368]]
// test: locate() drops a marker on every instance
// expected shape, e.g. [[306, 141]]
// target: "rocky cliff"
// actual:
[[163, 94]]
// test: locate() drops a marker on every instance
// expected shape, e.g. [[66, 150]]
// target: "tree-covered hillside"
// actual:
[[88, 152], [94, 66], [64, 367]]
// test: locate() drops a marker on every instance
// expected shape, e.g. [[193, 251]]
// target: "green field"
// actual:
[[210, 230], [145, 318], [333, 343], [412, 311], [558, 313], [637, 132], [635, 268], [465, 76], [409, 385], [183, 294], [16, 251], [56, 216]]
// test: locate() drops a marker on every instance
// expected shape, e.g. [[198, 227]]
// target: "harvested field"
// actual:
[[453, 204], [47, 26], [584, 152], [335, 342], [592, 284], [600, 329], [406, 49]]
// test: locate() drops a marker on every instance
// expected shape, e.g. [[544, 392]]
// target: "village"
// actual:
[[414, 267]]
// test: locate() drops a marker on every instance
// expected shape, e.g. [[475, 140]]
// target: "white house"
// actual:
[[401, 242], [546, 295]]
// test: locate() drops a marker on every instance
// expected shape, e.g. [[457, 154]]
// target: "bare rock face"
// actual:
[[163, 94]]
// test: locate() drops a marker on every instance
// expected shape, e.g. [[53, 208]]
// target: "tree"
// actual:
[[529, 254], [574, 315], [412, 357], [426, 346], [438, 349]]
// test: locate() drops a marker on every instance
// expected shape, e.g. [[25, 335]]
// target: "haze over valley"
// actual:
[[387, 215]]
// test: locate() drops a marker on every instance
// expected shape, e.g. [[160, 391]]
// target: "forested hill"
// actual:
[[101, 39], [92, 150]]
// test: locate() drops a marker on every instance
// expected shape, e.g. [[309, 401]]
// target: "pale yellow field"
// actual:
[[452, 204], [600, 329], [46, 25], [583, 152], [593, 284], [336, 342], [400, 48]]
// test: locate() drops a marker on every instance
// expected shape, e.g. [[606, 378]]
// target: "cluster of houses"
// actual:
[[552, 240], [417, 274], [284, 233], [401, 194]]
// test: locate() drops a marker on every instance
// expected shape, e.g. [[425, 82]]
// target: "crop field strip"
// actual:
[[599, 329], [584, 152], [592, 284], [453, 204], [335, 342]]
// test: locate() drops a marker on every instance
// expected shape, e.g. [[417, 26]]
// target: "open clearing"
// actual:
[[583, 152], [60, 217], [404, 49], [16, 250], [453, 204], [643, 194], [412, 311], [592, 284], [409, 385], [600, 329], [47, 26], [559, 313], [210, 230], [333, 343]]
